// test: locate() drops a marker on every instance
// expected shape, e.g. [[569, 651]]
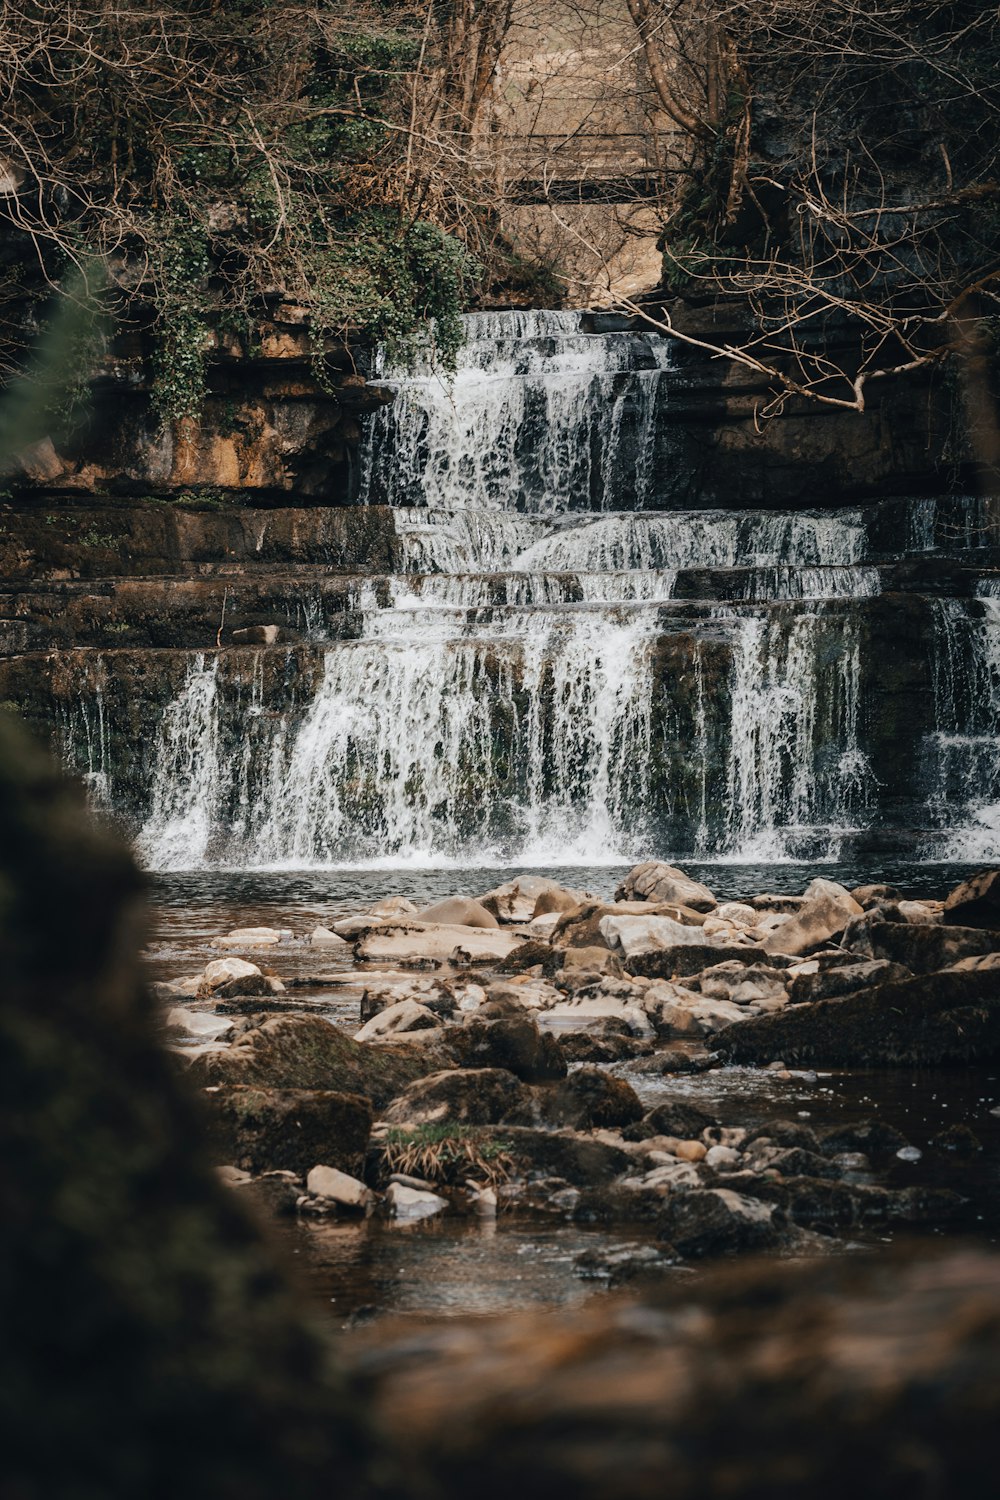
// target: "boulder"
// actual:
[[404, 1016], [920, 948], [581, 1160], [930, 1020], [338, 1187], [868, 896], [459, 911], [554, 902], [306, 1052], [596, 960], [266, 1129], [516, 900], [687, 959], [827, 911], [976, 902], [531, 955], [601, 1045], [672, 1118], [481, 1096], [590, 1099], [322, 937], [633, 935], [513, 1042], [581, 1014], [200, 1024], [410, 1204], [716, 1221], [223, 972], [393, 906], [655, 881], [826, 984]]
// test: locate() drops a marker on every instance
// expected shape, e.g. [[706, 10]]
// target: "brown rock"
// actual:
[[263, 1130]]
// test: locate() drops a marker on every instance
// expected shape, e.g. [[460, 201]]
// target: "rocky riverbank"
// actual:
[[531, 1051]]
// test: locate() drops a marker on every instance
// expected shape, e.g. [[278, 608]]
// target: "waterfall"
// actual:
[[541, 417], [188, 775], [964, 748], [797, 778], [564, 669]]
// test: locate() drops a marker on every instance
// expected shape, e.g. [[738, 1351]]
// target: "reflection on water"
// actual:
[[446, 1267]]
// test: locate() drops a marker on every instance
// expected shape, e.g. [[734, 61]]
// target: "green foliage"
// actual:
[[232, 154]]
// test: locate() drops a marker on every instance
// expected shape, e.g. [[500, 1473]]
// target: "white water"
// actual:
[[529, 688], [965, 749]]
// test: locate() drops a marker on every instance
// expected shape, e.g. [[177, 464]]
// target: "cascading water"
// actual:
[[965, 747], [564, 669]]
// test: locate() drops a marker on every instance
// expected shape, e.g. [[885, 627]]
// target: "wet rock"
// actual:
[[437, 942], [789, 1161], [674, 1060], [523, 993], [555, 901], [481, 1096], [958, 1138], [603, 1045], [275, 1195], [845, 979], [258, 635], [199, 1024], [868, 896], [264, 1129], [976, 902], [513, 1042], [786, 1133], [921, 948], [516, 900], [338, 1187], [411, 1204], [633, 936], [459, 911], [528, 955], [874, 1138], [585, 1011], [827, 911], [431, 995], [393, 906], [580, 1160], [688, 959], [931, 1020], [232, 975], [717, 1221], [741, 984], [619, 1264], [589, 1099], [596, 960], [674, 1118], [254, 937], [656, 881], [306, 1052], [722, 1158], [405, 1015], [322, 937]]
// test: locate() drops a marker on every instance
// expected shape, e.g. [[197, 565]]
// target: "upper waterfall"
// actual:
[[541, 416]]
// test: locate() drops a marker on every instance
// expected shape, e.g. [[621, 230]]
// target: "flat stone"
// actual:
[[459, 911], [404, 1016], [253, 937], [322, 937]]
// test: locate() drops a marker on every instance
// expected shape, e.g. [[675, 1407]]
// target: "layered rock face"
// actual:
[[522, 643]]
